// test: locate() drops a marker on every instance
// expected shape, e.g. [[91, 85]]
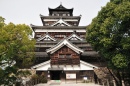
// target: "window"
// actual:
[[37, 49], [38, 35], [65, 56], [68, 55], [82, 35], [58, 14], [59, 35], [61, 56], [64, 14], [46, 24], [75, 24]]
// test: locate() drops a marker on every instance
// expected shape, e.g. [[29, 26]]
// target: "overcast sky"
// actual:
[[28, 11]]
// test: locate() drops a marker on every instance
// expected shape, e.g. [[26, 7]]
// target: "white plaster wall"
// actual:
[[44, 67], [58, 30]]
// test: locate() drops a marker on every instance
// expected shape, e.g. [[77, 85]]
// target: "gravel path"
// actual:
[[68, 84]]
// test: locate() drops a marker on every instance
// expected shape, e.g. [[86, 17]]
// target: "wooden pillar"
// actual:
[[48, 75], [123, 84], [98, 81], [95, 79], [102, 83], [114, 83], [108, 82]]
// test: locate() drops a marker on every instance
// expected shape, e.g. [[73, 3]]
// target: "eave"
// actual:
[[59, 17], [68, 10], [45, 66], [84, 54], [34, 27]]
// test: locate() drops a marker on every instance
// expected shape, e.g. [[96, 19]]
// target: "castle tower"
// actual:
[[61, 49]]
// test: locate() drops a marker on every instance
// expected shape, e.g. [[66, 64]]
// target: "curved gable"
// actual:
[[61, 22], [64, 42], [47, 37], [74, 37]]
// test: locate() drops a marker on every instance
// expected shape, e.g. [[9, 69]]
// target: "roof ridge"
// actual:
[[60, 7]]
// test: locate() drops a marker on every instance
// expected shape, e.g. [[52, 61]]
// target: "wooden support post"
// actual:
[[103, 83], [114, 83], [58, 65], [72, 65], [33, 82], [76, 77], [65, 78], [123, 84], [98, 81], [108, 82]]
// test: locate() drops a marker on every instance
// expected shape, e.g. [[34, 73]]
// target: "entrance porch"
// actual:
[[60, 72]]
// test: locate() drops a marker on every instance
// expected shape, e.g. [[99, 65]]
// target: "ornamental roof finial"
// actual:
[[60, 3]]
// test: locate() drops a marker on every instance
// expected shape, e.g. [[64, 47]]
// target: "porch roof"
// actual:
[[45, 66]]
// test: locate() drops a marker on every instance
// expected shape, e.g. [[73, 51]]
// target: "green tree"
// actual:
[[109, 34], [16, 50]]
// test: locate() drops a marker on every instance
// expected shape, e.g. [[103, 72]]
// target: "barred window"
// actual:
[[38, 35], [64, 55], [68, 55], [59, 35], [61, 56]]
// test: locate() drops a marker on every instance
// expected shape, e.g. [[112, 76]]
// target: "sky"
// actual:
[[28, 11]]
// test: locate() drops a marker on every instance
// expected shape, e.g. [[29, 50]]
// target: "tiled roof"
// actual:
[[63, 43]]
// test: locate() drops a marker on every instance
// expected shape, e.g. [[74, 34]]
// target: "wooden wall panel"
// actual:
[[56, 59]]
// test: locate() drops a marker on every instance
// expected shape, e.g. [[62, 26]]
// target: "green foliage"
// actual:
[[109, 33], [120, 61], [16, 49], [34, 77], [42, 78], [7, 76], [23, 73], [1, 22]]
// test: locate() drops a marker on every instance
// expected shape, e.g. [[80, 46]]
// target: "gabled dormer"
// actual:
[[46, 37], [65, 53], [60, 22], [74, 37]]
